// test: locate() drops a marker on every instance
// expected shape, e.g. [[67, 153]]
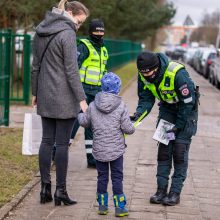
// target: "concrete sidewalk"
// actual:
[[200, 198]]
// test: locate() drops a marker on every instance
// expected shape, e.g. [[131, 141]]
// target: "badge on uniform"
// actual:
[[185, 91]]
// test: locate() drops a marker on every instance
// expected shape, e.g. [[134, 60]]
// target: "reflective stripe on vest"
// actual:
[[91, 71], [166, 87]]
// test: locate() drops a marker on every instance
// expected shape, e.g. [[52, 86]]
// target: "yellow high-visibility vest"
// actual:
[[91, 71], [166, 90]]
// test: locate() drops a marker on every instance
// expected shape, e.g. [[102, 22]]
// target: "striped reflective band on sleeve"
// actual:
[[188, 100], [88, 142], [88, 150]]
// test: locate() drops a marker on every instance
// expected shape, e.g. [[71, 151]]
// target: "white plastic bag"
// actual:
[[32, 134]]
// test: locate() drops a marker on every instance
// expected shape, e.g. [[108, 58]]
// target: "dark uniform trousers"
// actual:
[[176, 153], [87, 133]]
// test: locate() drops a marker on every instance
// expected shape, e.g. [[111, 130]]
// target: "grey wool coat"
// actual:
[[56, 82], [108, 116]]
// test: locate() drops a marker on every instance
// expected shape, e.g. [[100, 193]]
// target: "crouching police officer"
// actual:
[[92, 60], [170, 83]]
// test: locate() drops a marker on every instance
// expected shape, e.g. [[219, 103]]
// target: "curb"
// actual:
[[5, 210]]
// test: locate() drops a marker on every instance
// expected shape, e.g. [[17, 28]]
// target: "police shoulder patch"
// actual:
[[185, 91]]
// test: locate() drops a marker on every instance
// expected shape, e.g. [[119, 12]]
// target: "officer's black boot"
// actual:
[[61, 195], [158, 197], [172, 199]]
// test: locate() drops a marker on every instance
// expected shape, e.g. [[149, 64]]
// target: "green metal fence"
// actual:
[[4, 78], [19, 50], [20, 72], [121, 52], [15, 55]]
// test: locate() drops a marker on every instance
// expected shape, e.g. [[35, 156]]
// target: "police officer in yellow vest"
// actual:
[[92, 60], [170, 83]]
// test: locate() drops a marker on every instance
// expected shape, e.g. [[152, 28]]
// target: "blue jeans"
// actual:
[[116, 167]]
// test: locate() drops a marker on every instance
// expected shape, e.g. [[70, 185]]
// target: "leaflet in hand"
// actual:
[[160, 133], [136, 124]]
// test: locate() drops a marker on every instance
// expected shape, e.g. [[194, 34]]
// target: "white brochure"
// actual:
[[161, 135]]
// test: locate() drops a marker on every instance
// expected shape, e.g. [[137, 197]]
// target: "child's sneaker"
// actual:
[[102, 199], [120, 202]]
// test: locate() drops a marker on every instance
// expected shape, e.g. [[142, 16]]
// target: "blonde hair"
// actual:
[[76, 7]]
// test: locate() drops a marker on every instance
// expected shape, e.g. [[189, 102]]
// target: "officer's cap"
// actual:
[[147, 61]]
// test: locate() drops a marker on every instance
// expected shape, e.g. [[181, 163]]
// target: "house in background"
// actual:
[[175, 33]]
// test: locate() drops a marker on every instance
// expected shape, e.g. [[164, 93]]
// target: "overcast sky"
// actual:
[[195, 8]]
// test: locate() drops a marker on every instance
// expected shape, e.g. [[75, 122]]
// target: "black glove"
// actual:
[[135, 116], [174, 130]]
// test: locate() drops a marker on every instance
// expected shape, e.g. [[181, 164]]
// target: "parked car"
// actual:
[[214, 76], [169, 50], [178, 54], [19, 39], [19, 44], [196, 59], [207, 58], [188, 55]]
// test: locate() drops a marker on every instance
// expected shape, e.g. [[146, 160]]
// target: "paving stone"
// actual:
[[177, 216]]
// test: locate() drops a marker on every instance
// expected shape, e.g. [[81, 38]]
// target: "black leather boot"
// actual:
[[172, 199], [157, 198], [61, 195], [45, 194]]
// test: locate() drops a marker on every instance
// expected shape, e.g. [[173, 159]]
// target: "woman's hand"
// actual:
[[83, 105], [34, 101]]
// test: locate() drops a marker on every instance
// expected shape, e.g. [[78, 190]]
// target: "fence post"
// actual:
[[27, 55], [7, 77]]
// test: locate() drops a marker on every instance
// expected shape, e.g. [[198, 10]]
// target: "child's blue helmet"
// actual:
[[111, 83]]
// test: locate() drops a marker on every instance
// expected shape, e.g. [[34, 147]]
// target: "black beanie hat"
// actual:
[[147, 61], [96, 25]]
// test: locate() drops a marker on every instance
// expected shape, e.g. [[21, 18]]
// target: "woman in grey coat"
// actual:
[[109, 119], [57, 91]]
